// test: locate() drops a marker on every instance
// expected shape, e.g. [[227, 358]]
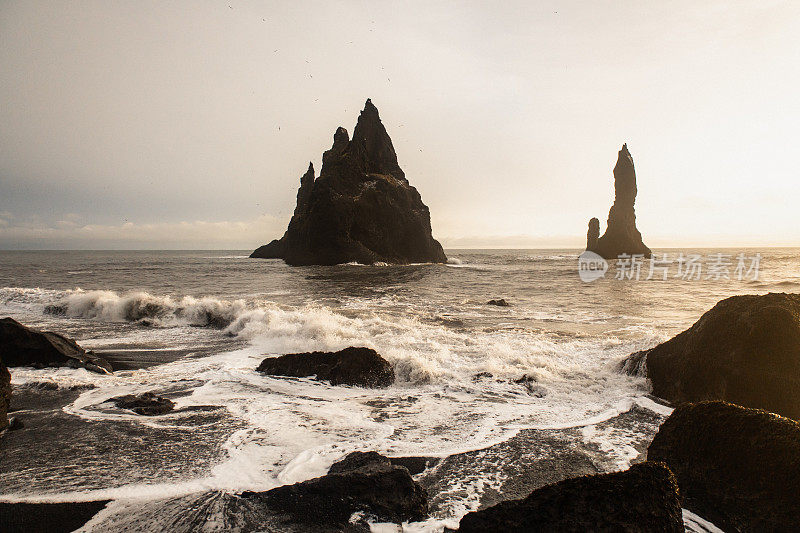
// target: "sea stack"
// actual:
[[621, 236], [360, 208]]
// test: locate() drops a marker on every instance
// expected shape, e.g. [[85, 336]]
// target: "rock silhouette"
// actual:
[[23, 346], [362, 367], [621, 236], [362, 482], [643, 498], [745, 350], [145, 404], [361, 208], [739, 468], [5, 395]]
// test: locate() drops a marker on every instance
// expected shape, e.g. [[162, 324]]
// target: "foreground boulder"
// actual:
[[23, 346], [146, 403], [361, 207], [47, 517], [745, 350], [621, 236], [737, 467], [362, 367], [365, 483], [643, 498], [5, 395]]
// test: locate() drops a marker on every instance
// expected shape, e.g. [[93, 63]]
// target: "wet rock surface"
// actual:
[[146, 403], [737, 467], [745, 350], [362, 482], [362, 367], [47, 517], [23, 346], [641, 499]]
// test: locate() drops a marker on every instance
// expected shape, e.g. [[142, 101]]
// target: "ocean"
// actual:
[[509, 397]]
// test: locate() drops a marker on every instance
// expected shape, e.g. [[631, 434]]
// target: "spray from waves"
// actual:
[[420, 352], [162, 311]]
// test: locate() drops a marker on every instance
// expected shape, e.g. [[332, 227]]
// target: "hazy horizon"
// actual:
[[188, 125]]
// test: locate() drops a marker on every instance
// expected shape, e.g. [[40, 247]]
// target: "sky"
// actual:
[[127, 125]]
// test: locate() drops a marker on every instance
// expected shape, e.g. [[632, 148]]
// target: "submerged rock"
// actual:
[[352, 366], [745, 350], [737, 467], [146, 403], [47, 517], [641, 499], [621, 236], [501, 302], [23, 346], [361, 207], [5, 394], [361, 483]]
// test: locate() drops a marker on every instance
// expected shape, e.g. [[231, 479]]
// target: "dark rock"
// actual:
[[23, 346], [500, 302], [592, 234], [366, 482], [5, 394], [739, 468], [356, 460], [745, 350], [47, 517], [621, 236], [352, 366], [361, 207], [415, 465], [15, 423], [146, 404], [641, 499]]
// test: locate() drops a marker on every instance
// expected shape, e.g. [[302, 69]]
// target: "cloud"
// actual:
[[70, 232]]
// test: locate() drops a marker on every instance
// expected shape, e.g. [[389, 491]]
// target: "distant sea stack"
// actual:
[[621, 236], [361, 208]]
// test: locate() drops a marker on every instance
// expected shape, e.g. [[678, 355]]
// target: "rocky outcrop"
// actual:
[[23, 346], [362, 367], [5, 394], [146, 403], [641, 499], [621, 236], [361, 207], [737, 467], [362, 483], [47, 517], [745, 350]]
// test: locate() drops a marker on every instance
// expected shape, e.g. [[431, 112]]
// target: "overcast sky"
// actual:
[[188, 124]]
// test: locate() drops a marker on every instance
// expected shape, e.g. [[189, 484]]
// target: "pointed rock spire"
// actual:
[[374, 145], [621, 236], [360, 208]]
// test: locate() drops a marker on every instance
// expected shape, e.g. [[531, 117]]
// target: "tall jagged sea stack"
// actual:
[[361, 208], [621, 236]]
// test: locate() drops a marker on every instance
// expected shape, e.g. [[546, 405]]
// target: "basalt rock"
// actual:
[[621, 236], [745, 350], [47, 517], [146, 404], [5, 394], [641, 499], [361, 208], [361, 483], [362, 367], [501, 302], [739, 468], [23, 346]]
